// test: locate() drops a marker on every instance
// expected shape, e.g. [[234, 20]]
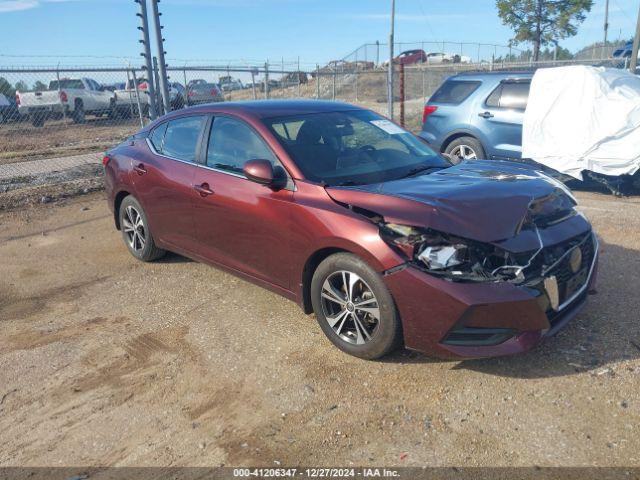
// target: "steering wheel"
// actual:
[[369, 152]]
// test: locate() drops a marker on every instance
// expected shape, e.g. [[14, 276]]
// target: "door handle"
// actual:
[[486, 115], [204, 190], [140, 169]]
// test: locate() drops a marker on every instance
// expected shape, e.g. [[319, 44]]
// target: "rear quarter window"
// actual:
[[454, 92]]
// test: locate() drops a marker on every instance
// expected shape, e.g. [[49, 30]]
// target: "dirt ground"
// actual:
[[108, 361]]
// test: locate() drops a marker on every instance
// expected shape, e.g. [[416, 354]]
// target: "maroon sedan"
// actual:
[[357, 220]]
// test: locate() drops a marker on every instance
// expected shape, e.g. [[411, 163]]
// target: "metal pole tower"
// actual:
[[144, 28], [390, 79], [162, 65]]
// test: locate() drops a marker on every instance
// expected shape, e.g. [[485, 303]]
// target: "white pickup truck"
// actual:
[[72, 97]]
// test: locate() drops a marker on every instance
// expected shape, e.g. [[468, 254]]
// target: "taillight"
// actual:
[[191, 94], [63, 96], [428, 110], [105, 160], [214, 92], [17, 99]]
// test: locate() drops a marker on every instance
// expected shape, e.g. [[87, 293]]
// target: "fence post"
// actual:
[[266, 80], [298, 77], [135, 85], [356, 76], [402, 94], [317, 82], [139, 105], [158, 98], [253, 83], [424, 94], [282, 79], [333, 94], [64, 110], [186, 87], [132, 113]]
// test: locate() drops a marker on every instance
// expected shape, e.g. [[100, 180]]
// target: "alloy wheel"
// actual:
[[350, 307], [134, 229], [464, 152]]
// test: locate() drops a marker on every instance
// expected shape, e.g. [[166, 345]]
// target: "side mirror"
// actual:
[[259, 171]]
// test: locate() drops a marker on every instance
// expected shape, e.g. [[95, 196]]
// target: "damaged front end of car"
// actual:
[[460, 259]]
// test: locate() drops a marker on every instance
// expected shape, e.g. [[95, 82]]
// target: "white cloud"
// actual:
[[16, 5]]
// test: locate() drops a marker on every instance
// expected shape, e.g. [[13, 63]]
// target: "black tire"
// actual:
[[470, 143], [387, 333], [78, 114], [37, 120], [112, 113], [149, 251]]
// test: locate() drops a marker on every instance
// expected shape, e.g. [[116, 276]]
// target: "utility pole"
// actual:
[[390, 79], [606, 29], [164, 82], [636, 44], [144, 28]]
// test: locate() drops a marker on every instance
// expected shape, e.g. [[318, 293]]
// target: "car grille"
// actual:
[[571, 282]]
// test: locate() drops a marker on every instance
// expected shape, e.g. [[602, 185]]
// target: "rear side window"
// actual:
[[454, 91], [512, 95], [179, 138]]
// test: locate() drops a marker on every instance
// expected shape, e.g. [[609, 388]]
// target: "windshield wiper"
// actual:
[[348, 183], [421, 169]]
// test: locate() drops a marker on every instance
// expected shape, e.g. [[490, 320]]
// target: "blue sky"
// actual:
[[218, 31]]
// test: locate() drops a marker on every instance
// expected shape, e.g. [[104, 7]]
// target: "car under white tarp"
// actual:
[[583, 118]]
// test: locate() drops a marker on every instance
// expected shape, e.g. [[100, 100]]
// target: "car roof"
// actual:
[[274, 108], [493, 75]]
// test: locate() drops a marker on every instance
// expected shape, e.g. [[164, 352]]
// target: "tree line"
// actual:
[[9, 90]]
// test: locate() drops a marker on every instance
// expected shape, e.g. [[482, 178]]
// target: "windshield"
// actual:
[[353, 148]]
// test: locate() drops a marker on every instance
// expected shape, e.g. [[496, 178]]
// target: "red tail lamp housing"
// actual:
[[428, 110]]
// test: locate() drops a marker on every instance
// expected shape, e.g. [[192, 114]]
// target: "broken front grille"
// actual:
[[573, 270]]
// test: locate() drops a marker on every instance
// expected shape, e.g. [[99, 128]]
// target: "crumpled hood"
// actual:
[[479, 200]]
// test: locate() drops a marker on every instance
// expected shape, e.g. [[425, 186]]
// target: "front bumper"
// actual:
[[432, 309]]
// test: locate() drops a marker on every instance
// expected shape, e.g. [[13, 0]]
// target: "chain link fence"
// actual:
[[62, 119]]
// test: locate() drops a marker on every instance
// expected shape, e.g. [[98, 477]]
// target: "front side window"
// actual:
[[181, 137], [232, 143], [352, 147], [511, 95]]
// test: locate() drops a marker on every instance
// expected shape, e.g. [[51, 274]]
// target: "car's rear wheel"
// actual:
[[354, 307], [136, 233], [465, 148], [37, 119], [78, 114]]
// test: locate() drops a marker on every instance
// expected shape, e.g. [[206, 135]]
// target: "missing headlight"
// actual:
[[443, 256], [447, 256]]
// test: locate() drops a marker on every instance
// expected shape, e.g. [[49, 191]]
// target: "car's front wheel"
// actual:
[[465, 148], [354, 307], [136, 233]]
